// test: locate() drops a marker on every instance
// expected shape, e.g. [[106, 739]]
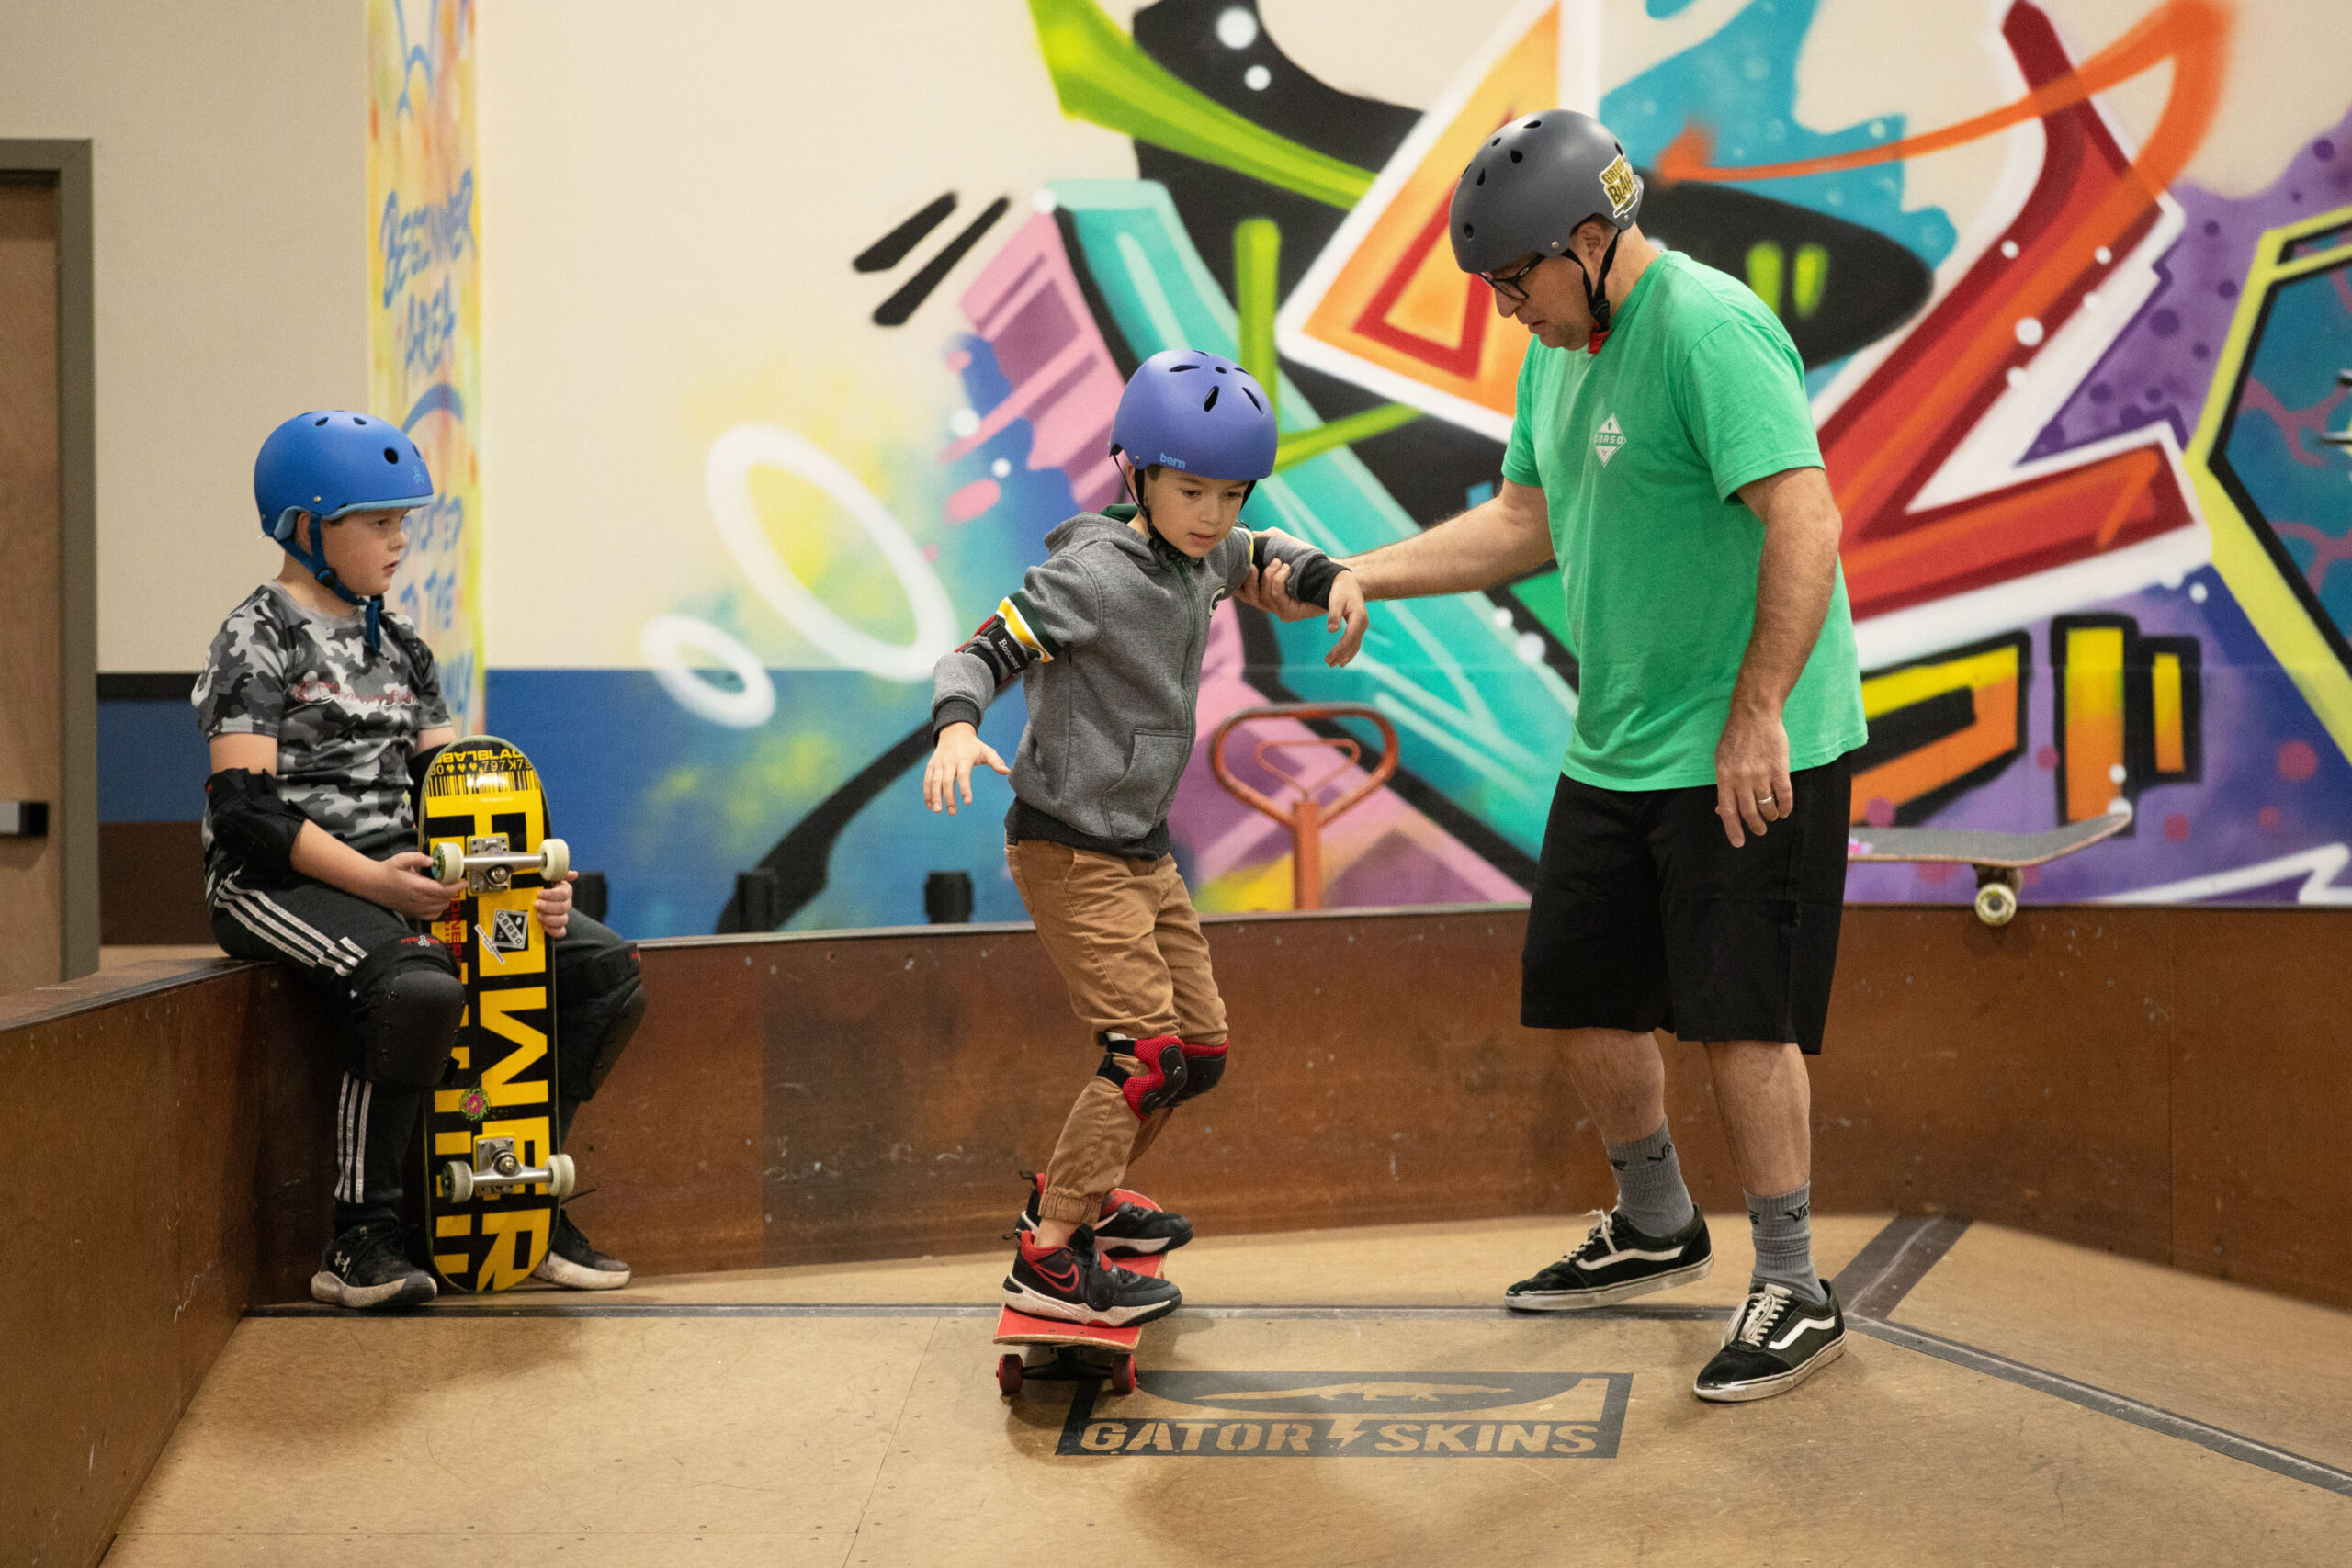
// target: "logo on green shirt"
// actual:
[[1605, 445]]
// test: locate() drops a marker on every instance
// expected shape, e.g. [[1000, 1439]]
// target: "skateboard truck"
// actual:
[[497, 1168], [487, 864]]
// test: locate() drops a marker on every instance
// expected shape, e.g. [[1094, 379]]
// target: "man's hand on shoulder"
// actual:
[[1752, 785]]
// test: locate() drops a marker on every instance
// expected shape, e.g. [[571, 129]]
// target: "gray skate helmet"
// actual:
[[1532, 185]]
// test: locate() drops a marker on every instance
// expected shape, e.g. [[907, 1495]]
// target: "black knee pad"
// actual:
[[406, 1002], [1203, 1066], [601, 1002]]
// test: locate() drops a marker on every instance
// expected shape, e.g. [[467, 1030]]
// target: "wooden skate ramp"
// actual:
[[1324, 1398], [2167, 1083]]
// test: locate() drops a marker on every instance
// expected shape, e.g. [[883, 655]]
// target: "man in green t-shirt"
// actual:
[[1694, 868]]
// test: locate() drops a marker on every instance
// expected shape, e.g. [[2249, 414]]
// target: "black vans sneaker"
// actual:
[[365, 1267], [1076, 1284], [1124, 1229], [1615, 1262], [572, 1263], [1775, 1342]]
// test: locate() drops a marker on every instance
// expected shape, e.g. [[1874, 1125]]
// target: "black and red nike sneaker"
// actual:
[[1126, 1227], [1076, 1283]]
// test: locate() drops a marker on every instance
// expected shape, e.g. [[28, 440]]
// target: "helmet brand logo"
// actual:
[[1173, 462], [1617, 180], [1606, 441]]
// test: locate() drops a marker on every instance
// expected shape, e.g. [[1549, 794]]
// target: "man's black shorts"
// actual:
[[1644, 916]]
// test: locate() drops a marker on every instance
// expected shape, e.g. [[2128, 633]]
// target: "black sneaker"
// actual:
[[1074, 1283], [572, 1263], [365, 1267], [1124, 1229], [1775, 1342], [1615, 1262]]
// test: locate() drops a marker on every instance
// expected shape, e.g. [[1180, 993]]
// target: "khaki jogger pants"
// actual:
[[1126, 942]]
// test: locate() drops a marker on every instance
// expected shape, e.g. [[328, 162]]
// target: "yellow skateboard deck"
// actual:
[[490, 1125]]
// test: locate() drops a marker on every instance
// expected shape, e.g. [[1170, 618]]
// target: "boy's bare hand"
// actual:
[[950, 768], [404, 884], [1347, 610], [1268, 589], [554, 906]]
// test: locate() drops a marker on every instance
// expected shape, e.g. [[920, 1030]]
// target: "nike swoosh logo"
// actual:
[[1787, 1338], [1066, 1279]]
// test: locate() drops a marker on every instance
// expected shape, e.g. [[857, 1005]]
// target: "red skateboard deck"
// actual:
[[1077, 1349]]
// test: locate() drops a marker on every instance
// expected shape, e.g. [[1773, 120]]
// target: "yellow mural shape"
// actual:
[[424, 315], [1385, 306]]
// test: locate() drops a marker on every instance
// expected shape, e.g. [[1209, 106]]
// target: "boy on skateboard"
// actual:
[[322, 710], [1107, 637]]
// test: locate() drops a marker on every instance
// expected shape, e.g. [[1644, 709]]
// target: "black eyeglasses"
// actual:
[[1507, 284]]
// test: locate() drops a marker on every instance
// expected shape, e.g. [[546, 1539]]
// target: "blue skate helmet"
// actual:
[[1199, 413], [332, 463]]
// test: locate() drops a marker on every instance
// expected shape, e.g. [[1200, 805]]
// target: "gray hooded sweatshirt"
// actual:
[[1107, 636]]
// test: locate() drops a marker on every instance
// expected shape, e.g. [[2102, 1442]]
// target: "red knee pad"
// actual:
[[1158, 1083], [1203, 1066]]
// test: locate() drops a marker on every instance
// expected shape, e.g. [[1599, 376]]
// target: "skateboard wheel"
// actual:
[[1997, 904], [449, 863], [562, 1176], [458, 1176], [555, 860], [1008, 1374], [1123, 1375]]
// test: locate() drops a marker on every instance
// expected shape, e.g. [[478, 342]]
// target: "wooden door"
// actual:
[[32, 868]]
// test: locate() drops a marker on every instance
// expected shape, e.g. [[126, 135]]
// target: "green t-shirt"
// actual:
[[1641, 450]]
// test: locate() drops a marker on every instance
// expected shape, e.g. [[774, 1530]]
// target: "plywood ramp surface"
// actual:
[[681, 1424]]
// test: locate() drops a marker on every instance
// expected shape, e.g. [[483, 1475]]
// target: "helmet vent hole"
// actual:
[[1212, 398], [1468, 230], [1496, 142], [1220, 369], [1531, 125], [1517, 156], [1175, 369], [1482, 176], [1253, 399], [320, 420], [391, 456], [357, 420]]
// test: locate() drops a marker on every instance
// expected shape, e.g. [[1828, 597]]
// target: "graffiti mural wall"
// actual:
[[2073, 283], [424, 312]]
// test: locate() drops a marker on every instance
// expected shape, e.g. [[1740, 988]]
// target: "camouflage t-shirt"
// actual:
[[345, 723]]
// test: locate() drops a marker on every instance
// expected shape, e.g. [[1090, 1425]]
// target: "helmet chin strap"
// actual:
[[315, 558], [1596, 290]]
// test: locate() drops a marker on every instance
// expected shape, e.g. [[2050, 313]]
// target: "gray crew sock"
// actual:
[[1650, 1193], [1784, 1231]]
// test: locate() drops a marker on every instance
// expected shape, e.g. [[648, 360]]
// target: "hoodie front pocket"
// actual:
[[1156, 762]]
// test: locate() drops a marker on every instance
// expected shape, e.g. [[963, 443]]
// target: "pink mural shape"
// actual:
[[1027, 303]]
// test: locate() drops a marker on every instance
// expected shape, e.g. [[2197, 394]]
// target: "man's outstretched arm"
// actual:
[[1496, 541]]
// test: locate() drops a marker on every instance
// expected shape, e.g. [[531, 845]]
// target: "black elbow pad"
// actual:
[[250, 820]]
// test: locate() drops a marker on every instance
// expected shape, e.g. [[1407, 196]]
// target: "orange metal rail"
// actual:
[[1305, 817]]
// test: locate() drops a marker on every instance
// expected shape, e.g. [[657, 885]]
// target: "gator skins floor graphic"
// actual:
[[1267, 1415]]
